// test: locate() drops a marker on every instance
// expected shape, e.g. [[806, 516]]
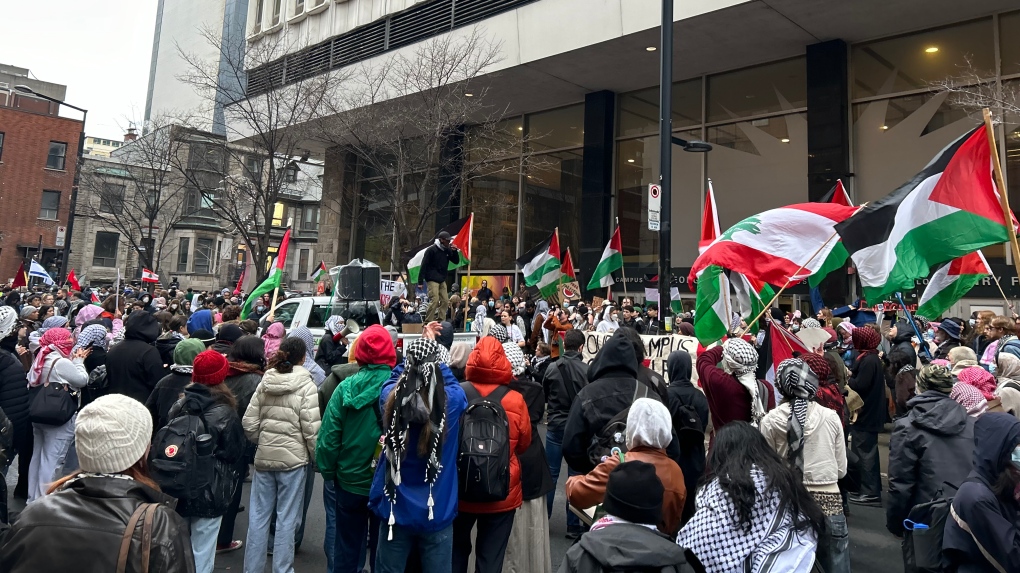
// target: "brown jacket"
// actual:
[[555, 327], [588, 490]]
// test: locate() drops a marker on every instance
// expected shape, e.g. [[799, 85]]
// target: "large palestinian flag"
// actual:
[[568, 288], [611, 260], [838, 256], [271, 283], [460, 232], [949, 209], [713, 310], [541, 265], [951, 282], [771, 247]]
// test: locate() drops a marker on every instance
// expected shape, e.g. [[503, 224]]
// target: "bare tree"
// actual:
[[266, 119], [972, 90], [406, 121], [138, 193]]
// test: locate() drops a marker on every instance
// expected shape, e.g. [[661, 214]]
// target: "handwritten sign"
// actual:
[[390, 289], [657, 349]]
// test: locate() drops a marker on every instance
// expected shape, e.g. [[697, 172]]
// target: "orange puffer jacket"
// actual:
[[487, 369]]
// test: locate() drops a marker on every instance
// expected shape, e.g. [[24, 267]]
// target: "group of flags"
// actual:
[[939, 219], [544, 268]]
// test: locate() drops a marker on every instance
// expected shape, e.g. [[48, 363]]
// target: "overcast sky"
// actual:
[[99, 49]]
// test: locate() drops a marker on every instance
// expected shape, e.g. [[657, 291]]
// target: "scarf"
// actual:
[[515, 356], [55, 339], [498, 331], [865, 340], [970, 398], [797, 382], [334, 324], [92, 335], [419, 398], [740, 360], [974, 376]]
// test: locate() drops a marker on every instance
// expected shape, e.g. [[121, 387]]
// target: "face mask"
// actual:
[[972, 321], [930, 334], [261, 308], [1015, 458], [491, 304]]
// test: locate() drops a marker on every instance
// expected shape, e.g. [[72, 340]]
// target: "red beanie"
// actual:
[[375, 347], [210, 368]]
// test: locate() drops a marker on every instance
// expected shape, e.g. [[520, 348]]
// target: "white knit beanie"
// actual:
[[112, 433]]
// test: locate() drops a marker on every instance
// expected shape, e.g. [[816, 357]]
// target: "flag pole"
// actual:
[[1003, 192], [623, 273], [1003, 293]]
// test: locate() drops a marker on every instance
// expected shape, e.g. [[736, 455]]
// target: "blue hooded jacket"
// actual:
[[411, 509], [201, 320], [992, 520]]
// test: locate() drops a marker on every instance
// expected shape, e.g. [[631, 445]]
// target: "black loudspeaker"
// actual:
[[358, 283]]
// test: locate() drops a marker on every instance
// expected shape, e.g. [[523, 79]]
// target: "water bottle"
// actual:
[[205, 444]]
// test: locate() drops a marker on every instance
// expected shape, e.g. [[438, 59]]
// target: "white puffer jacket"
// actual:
[[824, 448], [283, 420]]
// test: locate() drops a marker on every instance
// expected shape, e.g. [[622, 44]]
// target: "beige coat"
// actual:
[[824, 448], [283, 420]]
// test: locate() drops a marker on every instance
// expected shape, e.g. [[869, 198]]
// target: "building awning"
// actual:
[[113, 171]]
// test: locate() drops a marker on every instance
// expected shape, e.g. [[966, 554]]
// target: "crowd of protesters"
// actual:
[[707, 466]]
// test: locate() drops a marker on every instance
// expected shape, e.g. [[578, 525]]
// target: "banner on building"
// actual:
[[390, 289], [657, 349]]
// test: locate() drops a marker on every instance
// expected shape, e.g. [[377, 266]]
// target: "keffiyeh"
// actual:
[[515, 356], [335, 324], [741, 359], [865, 339], [810, 323], [975, 376], [419, 398], [498, 331], [798, 383], [92, 335], [970, 398], [56, 339]]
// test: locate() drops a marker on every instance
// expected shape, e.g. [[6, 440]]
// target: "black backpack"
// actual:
[[613, 435], [483, 461], [181, 458], [922, 547], [98, 382]]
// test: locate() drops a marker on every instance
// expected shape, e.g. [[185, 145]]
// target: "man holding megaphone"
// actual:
[[333, 345]]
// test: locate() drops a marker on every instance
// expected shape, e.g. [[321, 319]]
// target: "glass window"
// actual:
[[203, 255], [50, 205], [310, 218], [279, 210], [290, 174], [284, 313], [112, 199], [205, 157], [639, 111], [299, 7], [276, 11], [258, 13], [556, 129], [104, 254], [1009, 51], [495, 141], [552, 198], [1, 145], [182, 254], [303, 265], [913, 62], [253, 167], [1012, 143], [374, 240], [492, 196], [58, 153], [779, 86]]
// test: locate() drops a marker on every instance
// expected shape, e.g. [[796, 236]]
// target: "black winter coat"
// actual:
[[223, 424], [625, 547], [166, 347], [330, 353], [867, 379], [933, 443], [692, 446], [612, 388], [902, 353], [565, 377], [435, 264], [166, 393], [14, 393], [95, 359], [536, 481], [134, 366], [80, 528]]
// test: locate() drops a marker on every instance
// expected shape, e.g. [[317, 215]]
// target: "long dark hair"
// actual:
[[291, 353], [738, 447], [249, 349]]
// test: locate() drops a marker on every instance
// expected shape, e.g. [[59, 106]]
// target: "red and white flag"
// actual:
[[149, 276], [709, 221], [779, 344]]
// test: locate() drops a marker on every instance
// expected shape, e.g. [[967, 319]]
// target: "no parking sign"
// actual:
[[654, 203]]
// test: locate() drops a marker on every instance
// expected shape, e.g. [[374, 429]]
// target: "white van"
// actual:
[[312, 311]]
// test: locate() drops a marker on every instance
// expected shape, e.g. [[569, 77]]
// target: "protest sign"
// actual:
[[657, 349], [390, 289]]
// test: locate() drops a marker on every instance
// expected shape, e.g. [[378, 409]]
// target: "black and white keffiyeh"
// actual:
[[515, 356], [741, 360], [799, 383], [499, 332], [419, 400], [772, 543]]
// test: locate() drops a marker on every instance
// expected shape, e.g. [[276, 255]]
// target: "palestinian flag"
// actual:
[[271, 283], [712, 311], [541, 265], [320, 272], [752, 298], [460, 232], [778, 345], [94, 298], [709, 221], [948, 210], [771, 247], [838, 256], [951, 282], [612, 260], [569, 289]]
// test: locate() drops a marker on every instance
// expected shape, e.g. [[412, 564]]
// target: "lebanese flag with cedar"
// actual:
[[149, 276]]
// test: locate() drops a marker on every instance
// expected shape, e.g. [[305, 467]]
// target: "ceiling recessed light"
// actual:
[[884, 127], [469, 94], [520, 128], [651, 49], [785, 140], [630, 161], [931, 49]]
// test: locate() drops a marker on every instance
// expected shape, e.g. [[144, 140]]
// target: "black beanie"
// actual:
[[634, 493]]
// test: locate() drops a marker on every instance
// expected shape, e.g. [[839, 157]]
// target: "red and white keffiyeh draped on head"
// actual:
[[55, 339]]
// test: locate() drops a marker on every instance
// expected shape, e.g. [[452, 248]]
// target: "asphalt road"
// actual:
[[872, 548]]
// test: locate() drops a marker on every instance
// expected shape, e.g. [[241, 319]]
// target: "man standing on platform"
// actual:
[[435, 267]]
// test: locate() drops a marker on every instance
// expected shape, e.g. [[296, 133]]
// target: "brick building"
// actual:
[[38, 157]]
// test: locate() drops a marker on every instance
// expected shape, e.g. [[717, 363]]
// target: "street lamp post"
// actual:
[[77, 176], [666, 142]]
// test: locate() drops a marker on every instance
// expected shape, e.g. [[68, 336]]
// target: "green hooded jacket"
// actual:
[[345, 450]]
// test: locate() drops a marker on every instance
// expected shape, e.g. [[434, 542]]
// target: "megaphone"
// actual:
[[350, 327]]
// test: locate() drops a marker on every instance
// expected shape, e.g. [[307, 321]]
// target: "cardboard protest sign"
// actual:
[[657, 349], [390, 289]]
